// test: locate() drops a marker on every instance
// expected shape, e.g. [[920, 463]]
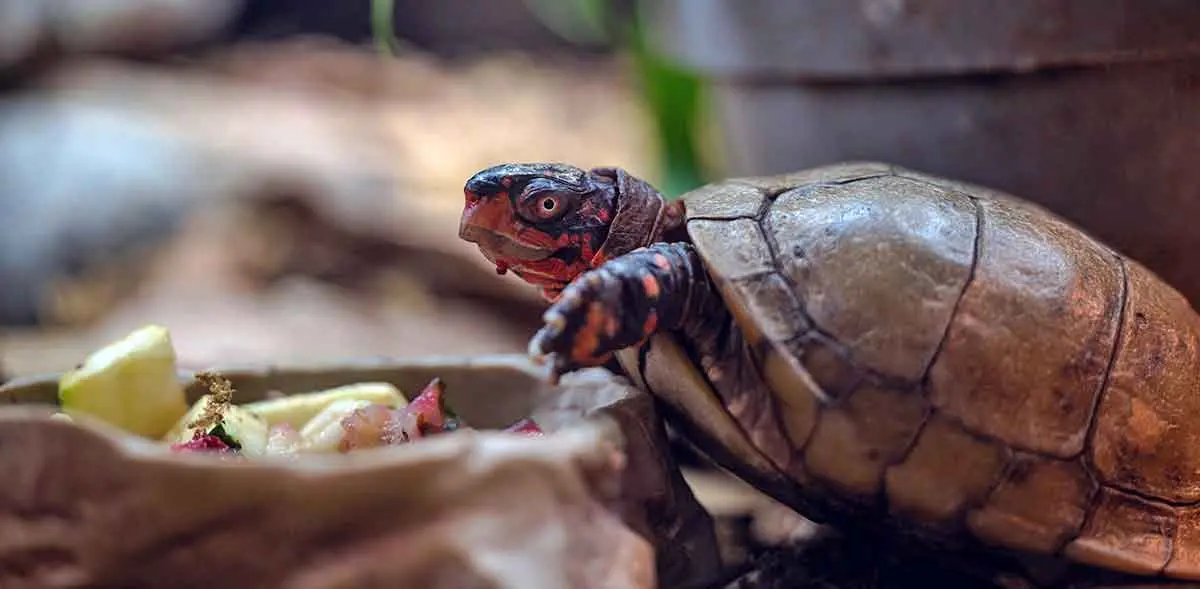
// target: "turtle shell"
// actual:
[[963, 361]]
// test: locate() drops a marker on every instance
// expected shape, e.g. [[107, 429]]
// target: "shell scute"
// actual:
[[1029, 348], [1147, 433], [856, 440], [947, 471], [1126, 533], [733, 249], [726, 200], [832, 174], [1039, 505], [883, 263]]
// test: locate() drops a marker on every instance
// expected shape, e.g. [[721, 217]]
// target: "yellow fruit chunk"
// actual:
[[325, 432], [298, 410], [130, 383]]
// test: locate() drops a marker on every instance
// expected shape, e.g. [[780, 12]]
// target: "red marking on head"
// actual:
[[484, 212]]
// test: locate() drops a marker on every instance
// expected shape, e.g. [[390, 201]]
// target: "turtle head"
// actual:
[[549, 223]]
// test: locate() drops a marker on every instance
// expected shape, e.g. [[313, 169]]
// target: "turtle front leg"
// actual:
[[621, 304]]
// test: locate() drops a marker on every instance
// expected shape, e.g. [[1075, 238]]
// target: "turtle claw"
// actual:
[[541, 344], [580, 326], [536, 355], [554, 320], [542, 353], [552, 375]]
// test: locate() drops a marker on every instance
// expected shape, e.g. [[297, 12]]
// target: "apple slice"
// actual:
[[130, 383]]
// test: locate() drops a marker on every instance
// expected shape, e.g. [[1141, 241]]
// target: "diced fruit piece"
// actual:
[[181, 431], [429, 407], [375, 425], [324, 432], [297, 410], [60, 416], [203, 443], [525, 426], [246, 429], [283, 439], [240, 429], [130, 383]]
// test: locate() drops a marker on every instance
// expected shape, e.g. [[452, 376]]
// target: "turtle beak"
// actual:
[[488, 222]]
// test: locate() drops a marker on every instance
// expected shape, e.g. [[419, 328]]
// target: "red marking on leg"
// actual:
[[650, 287], [612, 326], [587, 337], [651, 325]]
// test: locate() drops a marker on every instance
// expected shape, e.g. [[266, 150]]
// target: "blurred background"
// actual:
[[279, 181]]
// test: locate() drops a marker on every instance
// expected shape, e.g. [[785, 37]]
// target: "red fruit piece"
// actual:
[[429, 407], [202, 443], [526, 426], [375, 425]]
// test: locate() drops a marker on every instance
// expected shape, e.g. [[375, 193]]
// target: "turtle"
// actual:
[[881, 348]]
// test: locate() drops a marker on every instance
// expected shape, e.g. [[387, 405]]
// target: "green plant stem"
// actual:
[[383, 27]]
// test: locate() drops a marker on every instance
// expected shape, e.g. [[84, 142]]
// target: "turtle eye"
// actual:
[[547, 206], [544, 206]]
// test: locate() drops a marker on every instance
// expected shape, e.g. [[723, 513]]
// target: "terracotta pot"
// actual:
[[86, 505], [1086, 107]]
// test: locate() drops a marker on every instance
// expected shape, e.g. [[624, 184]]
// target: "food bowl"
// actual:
[[596, 502]]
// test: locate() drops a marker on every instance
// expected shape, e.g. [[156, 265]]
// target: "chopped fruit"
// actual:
[[377, 425], [283, 439], [324, 432], [525, 426], [215, 414], [203, 443], [131, 383], [220, 398], [240, 429], [297, 410], [429, 407]]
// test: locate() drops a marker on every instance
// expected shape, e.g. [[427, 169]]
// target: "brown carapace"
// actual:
[[881, 348]]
